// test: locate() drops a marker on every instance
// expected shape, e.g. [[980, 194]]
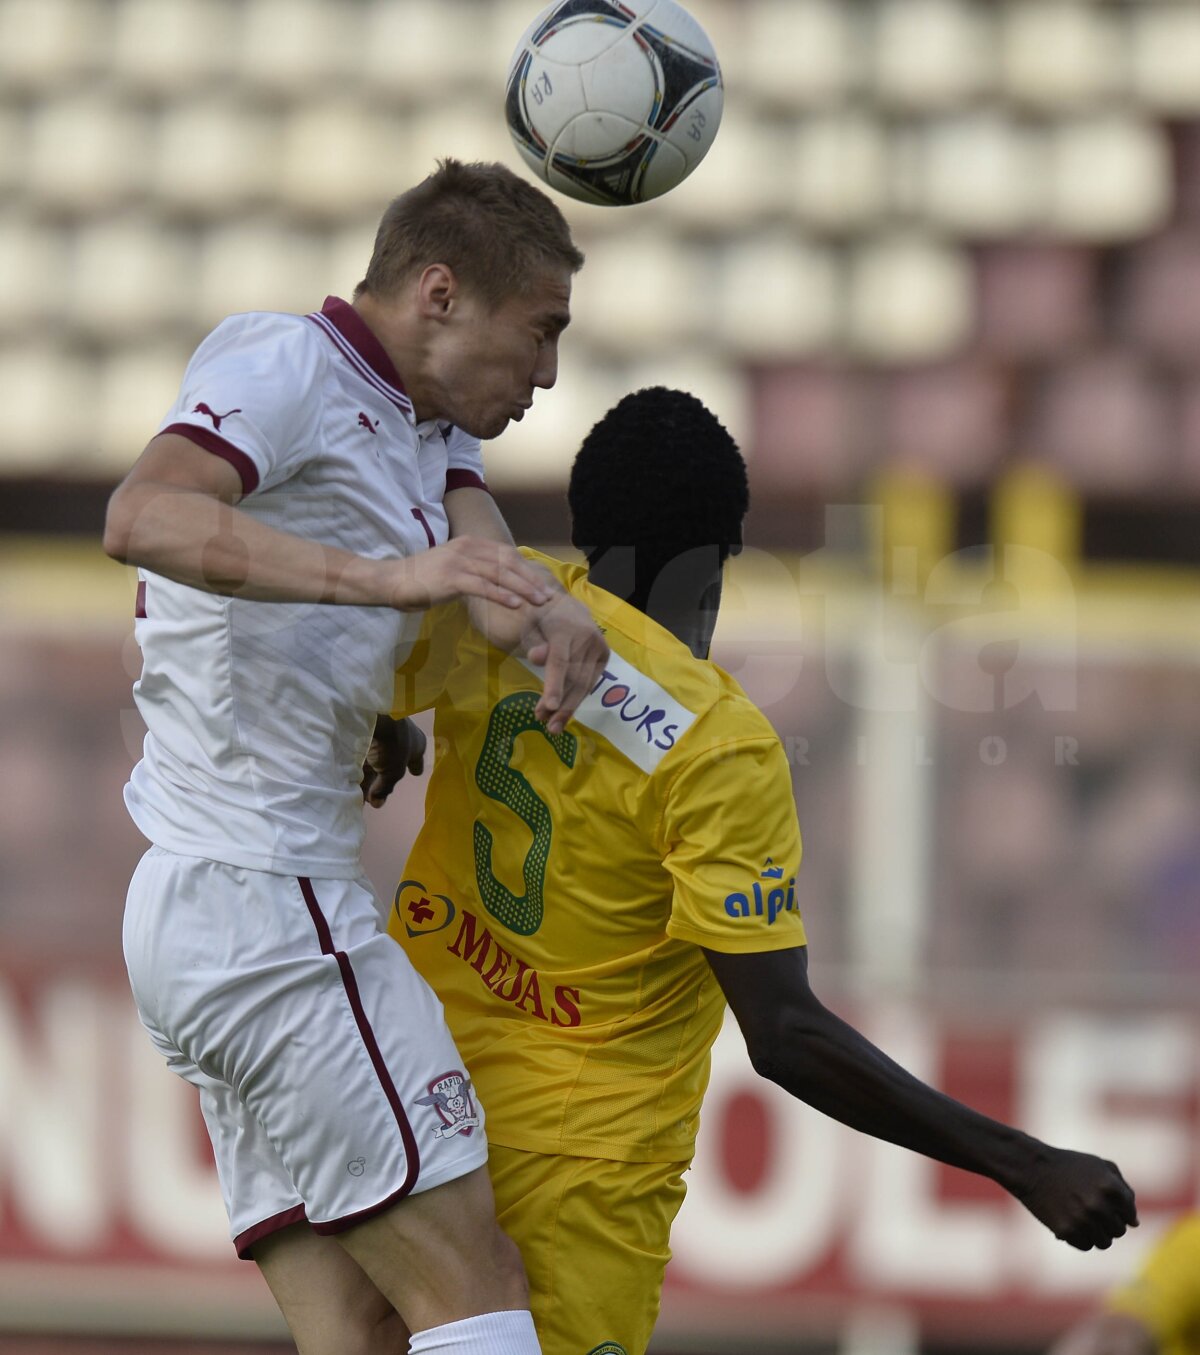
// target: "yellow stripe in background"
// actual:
[[52, 581], [49, 579]]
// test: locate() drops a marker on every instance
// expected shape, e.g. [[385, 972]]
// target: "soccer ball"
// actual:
[[614, 101]]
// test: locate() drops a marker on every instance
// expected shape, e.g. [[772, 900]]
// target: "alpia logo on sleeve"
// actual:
[[767, 899]]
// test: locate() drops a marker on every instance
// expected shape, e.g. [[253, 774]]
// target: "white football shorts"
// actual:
[[329, 1082]]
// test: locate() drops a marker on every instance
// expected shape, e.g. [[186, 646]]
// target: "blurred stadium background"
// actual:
[[941, 276]]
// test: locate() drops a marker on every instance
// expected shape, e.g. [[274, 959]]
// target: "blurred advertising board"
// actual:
[[110, 1215]]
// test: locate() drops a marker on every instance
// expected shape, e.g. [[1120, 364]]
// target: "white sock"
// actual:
[[508, 1333]]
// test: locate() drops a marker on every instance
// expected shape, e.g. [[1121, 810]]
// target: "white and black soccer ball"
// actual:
[[614, 101]]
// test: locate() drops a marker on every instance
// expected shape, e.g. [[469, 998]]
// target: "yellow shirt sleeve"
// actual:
[[421, 678], [1165, 1294], [732, 846]]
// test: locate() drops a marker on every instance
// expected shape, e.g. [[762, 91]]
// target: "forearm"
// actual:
[[200, 541], [831, 1067], [471, 511]]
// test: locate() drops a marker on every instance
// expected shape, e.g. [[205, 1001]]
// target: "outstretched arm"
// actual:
[[175, 514], [797, 1042]]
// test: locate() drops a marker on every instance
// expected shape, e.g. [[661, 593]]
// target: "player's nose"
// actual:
[[545, 371]]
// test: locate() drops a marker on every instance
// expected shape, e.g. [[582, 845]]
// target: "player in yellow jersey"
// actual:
[[585, 903], [1157, 1312]]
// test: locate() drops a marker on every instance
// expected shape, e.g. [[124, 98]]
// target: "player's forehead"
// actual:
[[545, 300]]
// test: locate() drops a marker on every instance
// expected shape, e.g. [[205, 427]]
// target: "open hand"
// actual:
[[467, 567], [563, 638]]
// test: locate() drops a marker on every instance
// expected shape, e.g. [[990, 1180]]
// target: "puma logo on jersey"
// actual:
[[364, 422], [204, 409]]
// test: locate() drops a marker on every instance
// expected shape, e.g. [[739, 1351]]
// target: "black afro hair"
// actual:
[[658, 471]]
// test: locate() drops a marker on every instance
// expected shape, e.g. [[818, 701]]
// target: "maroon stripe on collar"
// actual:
[[358, 334], [218, 446]]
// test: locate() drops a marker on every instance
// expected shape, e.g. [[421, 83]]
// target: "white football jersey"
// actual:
[[259, 713]]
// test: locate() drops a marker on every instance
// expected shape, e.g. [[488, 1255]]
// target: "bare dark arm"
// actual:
[[175, 514], [797, 1042]]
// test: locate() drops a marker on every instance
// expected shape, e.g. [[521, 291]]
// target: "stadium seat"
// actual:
[[258, 264], [1185, 138], [799, 53], [1187, 436], [349, 251], [1061, 54], [33, 273], [169, 49], [981, 175], [47, 393], [644, 293], [413, 51], [215, 155], [136, 387], [931, 54], [1160, 300], [840, 171], [777, 297], [946, 421], [1104, 422], [87, 152], [1110, 177], [1165, 57], [46, 45], [293, 48], [331, 156], [908, 298], [129, 276], [464, 125], [745, 177], [1033, 300], [814, 428], [12, 150]]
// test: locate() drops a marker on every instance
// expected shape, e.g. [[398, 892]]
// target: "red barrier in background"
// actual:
[[110, 1213]]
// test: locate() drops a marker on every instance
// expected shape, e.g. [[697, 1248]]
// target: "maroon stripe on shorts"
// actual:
[[244, 1242], [350, 983]]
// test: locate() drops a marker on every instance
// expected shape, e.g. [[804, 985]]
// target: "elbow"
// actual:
[[116, 538], [773, 1050], [791, 1051], [769, 1062]]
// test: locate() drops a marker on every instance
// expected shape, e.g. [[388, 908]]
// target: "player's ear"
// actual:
[[437, 289]]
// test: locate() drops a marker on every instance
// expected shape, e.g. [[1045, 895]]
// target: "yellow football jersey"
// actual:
[[1165, 1294], [562, 885]]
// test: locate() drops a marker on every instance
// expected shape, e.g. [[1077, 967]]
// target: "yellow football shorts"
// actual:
[[594, 1236]]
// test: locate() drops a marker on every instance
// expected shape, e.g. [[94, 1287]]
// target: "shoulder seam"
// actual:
[[770, 739]]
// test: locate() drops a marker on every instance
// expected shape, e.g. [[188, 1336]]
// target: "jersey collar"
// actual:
[[358, 344]]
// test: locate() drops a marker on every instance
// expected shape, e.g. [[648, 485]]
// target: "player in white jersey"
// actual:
[[317, 482]]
